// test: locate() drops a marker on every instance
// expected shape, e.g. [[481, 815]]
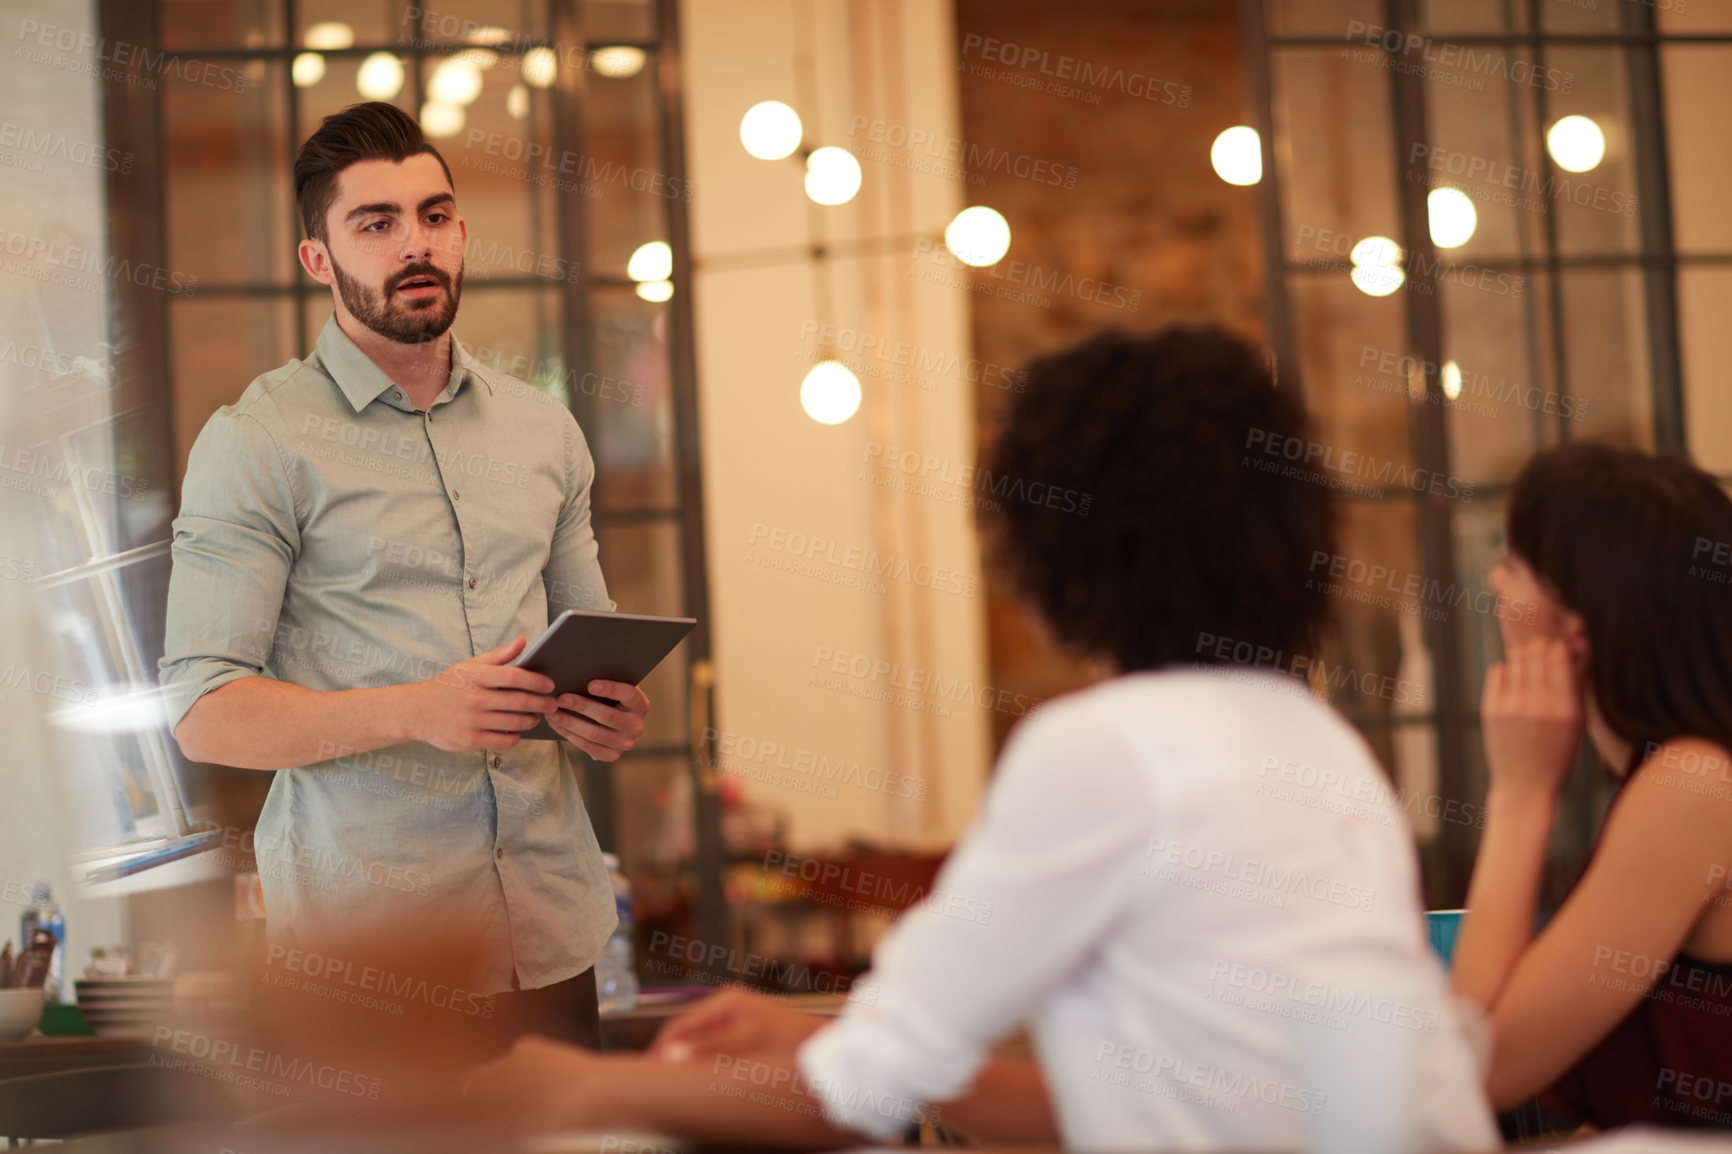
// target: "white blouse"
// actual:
[[1199, 892]]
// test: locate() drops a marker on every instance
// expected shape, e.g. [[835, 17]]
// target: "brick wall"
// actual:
[[1089, 126]]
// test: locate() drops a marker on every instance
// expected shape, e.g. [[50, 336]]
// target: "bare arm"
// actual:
[[1617, 936], [740, 1100], [1551, 999], [1532, 715], [1504, 891], [1008, 1101], [262, 723]]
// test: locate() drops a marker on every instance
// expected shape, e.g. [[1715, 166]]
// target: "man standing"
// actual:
[[365, 539]]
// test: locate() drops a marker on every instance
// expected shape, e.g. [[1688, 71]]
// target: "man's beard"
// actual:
[[408, 323]]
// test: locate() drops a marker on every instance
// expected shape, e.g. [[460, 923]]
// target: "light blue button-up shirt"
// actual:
[[331, 535]]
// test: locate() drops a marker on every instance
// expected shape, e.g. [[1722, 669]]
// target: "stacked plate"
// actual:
[[125, 1006]]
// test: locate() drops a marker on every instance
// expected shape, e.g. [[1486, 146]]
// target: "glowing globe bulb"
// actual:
[[307, 70], [651, 261], [329, 36], [771, 130], [380, 77], [618, 62], [979, 236], [832, 176], [455, 81], [1237, 155], [1453, 217], [1451, 375], [830, 394], [1576, 144], [540, 66], [439, 119], [1377, 268]]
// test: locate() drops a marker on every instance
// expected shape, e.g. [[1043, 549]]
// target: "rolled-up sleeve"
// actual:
[[1030, 891], [234, 542], [573, 574]]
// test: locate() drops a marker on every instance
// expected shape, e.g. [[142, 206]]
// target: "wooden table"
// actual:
[[633, 1029], [43, 1055]]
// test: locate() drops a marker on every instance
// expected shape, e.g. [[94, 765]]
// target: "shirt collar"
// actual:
[[363, 382]]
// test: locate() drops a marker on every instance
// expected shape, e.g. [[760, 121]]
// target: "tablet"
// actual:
[[581, 647]]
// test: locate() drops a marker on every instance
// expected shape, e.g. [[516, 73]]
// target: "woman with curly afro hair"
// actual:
[[1189, 881]]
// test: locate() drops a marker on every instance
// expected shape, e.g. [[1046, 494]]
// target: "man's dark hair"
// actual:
[[371, 131], [1185, 542], [1638, 546]]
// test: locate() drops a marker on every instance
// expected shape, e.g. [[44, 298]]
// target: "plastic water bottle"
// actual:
[[615, 978], [42, 913]]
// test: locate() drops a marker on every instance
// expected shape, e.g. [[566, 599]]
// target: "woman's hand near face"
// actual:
[[1531, 711]]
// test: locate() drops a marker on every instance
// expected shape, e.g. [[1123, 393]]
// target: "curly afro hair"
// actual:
[[1168, 540]]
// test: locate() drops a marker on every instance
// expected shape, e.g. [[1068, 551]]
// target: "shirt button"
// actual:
[[455, 495], [497, 761], [498, 855], [395, 395], [472, 583]]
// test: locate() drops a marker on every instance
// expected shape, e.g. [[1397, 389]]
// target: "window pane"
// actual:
[[1351, 351], [516, 332], [1463, 17], [222, 23], [479, 21], [231, 215], [642, 564], [605, 20], [641, 560], [1704, 303], [1498, 363], [1478, 534], [1322, 17], [628, 202], [630, 410], [218, 346], [1339, 186], [1378, 559], [367, 21], [1581, 15], [1596, 209], [507, 169], [335, 90], [1677, 17], [1606, 336], [1698, 91]]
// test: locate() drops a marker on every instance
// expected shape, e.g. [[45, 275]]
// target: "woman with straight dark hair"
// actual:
[[1623, 1004]]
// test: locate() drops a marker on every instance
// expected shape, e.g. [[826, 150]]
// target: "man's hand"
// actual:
[[482, 703], [602, 731], [733, 1022]]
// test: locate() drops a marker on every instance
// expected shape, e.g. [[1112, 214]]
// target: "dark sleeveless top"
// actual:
[[1668, 1064]]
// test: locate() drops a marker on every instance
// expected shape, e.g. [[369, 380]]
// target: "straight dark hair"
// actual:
[[371, 131], [1629, 542]]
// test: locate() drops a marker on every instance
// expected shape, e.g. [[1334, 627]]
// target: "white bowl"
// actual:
[[19, 1011]]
